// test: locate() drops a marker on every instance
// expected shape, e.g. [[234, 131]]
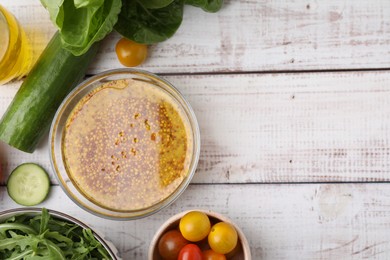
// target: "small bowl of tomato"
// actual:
[[200, 235]]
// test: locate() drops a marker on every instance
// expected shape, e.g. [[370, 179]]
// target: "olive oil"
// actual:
[[15, 51]]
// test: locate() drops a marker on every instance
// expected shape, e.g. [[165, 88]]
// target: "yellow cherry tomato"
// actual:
[[195, 226], [223, 238], [130, 53]]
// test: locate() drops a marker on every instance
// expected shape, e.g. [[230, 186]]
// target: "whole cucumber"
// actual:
[[31, 112]]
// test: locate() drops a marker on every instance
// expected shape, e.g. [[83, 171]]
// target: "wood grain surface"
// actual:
[[253, 35], [307, 221], [276, 128], [293, 103]]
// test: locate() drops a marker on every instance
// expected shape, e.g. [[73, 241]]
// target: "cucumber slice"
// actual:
[[28, 184]]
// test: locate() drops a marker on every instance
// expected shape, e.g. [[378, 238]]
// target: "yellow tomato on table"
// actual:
[[130, 53]]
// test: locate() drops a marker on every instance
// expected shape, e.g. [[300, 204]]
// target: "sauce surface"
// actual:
[[127, 145]]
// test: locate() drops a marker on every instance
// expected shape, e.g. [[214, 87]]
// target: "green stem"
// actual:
[[16, 226], [21, 255]]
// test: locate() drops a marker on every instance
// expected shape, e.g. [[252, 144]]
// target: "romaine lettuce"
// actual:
[[82, 22]]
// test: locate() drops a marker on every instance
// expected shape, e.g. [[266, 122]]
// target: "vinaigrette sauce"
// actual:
[[127, 145]]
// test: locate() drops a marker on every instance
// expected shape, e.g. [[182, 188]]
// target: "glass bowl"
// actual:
[[15, 50], [31, 211], [242, 251], [109, 200]]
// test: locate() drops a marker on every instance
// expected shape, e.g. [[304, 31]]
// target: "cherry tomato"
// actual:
[[190, 252], [211, 255], [130, 53], [194, 226], [170, 244], [223, 238]]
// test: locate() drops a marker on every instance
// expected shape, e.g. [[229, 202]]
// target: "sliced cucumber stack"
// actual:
[[28, 184]]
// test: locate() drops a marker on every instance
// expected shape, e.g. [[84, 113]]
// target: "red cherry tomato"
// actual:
[[170, 244], [211, 255], [190, 252]]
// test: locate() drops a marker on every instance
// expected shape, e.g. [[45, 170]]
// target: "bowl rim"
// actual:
[[167, 223], [3, 19], [144, 212], [108, 245]]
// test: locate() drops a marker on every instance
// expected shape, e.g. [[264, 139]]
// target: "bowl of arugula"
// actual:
[[48, 234]]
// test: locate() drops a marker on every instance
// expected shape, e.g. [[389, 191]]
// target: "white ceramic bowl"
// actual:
[[243, 252], [111, 249]]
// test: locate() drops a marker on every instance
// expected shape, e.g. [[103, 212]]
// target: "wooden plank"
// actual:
[[343, 221], [292, 127], [253, 36], [314, 127]]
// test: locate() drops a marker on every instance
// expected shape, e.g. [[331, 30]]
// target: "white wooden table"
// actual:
[[293, 102]]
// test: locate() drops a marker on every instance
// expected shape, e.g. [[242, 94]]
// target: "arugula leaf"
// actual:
[[211, 6], [55, 251], [44, 221], [147, 26], [82, 22], [57, 239], [20, 255], [22, 242], [16, 226]]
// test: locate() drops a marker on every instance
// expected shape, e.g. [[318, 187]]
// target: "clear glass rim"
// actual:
[[58, 165], [6, 31]]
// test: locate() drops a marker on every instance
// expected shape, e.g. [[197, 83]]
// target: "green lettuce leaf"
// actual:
[[211, 6], [86, 3], [145, 25], [82, 22], [155, 4]]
